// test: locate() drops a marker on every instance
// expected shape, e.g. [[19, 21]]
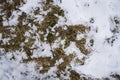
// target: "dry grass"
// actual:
[[74, 75], [72, 31], [49, 22], [67, 43], [15, 42], [81, 45], [47, 62], [80, 61], [8, 7], [116, 76], [67, 60]]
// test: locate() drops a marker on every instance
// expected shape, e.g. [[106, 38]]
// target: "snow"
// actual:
[[29, 6], [102, 61], [73, 49]]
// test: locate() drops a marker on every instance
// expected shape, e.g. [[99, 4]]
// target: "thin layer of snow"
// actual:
[[30, 5], [73, 49], [104, 60], [12, 69]]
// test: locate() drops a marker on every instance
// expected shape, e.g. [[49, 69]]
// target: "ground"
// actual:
[[59, 40]]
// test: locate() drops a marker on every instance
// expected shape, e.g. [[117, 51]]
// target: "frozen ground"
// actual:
[[104, 60], [103, 17]]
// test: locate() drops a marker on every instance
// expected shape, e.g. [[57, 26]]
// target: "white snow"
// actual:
[[104, 60], [30, 5]]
